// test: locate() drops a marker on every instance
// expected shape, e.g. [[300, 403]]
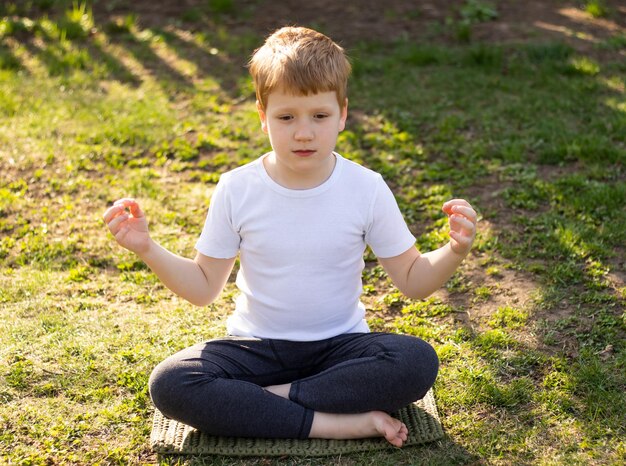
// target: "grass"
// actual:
[[530, 331], [596, 8]]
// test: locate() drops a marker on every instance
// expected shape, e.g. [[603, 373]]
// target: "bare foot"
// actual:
[[362, 425], [351, 426], [394, 430]]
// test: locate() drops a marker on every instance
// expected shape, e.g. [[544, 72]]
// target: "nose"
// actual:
[[304, 132]]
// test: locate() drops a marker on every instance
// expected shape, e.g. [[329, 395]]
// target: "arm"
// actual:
[[419, 275], [199, 281]]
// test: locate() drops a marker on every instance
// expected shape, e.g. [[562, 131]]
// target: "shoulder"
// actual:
[[359, 173], [240, 175]]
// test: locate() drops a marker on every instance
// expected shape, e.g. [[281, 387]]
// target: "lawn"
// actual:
[[127, 100]]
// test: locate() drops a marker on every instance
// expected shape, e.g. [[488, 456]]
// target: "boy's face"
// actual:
[[303, 130]]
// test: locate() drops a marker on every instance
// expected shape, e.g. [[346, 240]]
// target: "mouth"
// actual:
[[304, 153]]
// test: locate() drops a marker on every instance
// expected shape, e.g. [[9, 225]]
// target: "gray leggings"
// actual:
[[216, 386]]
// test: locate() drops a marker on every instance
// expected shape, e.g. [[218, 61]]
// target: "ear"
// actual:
[[262, 116], [344, 116]]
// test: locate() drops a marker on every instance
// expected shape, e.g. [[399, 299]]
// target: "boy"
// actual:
[[299, 361]]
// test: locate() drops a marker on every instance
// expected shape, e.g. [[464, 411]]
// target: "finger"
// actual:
[[112, 212], [459, 223], [464, 241], [124, 201], [116, 224], [468, 212], [135, 210], [132, 205], [448, 205], [457, 201]]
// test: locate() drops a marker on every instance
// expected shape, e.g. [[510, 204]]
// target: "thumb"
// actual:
[[132, 205]]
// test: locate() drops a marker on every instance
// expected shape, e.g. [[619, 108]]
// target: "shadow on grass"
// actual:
[[157, 53], [8, 61], [534, 135]]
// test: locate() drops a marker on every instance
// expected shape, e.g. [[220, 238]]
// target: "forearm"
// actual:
[[430, 271], [181, 275]]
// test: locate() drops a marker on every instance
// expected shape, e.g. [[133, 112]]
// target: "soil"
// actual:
[[351, 22]]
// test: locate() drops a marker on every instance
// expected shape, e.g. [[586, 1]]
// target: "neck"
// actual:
[[292, 179]]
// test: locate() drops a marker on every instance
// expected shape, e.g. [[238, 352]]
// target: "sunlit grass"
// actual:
[[530, 331], [596, 8]]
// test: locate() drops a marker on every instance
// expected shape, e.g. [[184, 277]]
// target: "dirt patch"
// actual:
[[352, 22]]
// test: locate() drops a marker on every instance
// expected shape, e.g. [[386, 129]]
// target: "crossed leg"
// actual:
[[351, 426], [339, 388]]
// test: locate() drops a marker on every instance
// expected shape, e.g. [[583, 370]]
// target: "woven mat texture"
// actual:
[[170, 437]]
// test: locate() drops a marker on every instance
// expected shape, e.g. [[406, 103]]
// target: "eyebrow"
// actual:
[[321, 108]]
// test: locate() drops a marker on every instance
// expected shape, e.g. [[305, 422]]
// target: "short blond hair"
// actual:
[[300, 61]]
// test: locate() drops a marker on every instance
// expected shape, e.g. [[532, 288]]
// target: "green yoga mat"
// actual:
[[170, 437]]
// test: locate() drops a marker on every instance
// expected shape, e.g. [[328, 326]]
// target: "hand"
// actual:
[[128, 224], [462, 219]]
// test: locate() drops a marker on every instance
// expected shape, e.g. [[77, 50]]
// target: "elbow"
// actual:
[[416, 292], [201, 301], [198, 302], [417, 295]]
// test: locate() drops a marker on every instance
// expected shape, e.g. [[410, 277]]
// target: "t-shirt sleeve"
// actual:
[[219, 238], [388, 234]]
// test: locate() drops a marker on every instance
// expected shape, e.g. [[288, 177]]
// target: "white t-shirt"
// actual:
[[301, 251]]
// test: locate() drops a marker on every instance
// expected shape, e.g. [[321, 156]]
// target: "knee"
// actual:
[[163, 385], [171, 382], [420, 365], [428, 362]]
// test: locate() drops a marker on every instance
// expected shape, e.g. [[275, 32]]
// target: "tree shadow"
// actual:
[[441, 122], [215, 55], [8, 60], [129, 53]]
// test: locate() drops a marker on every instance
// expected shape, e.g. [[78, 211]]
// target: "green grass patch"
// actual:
[[93, 108], [596, 8]]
